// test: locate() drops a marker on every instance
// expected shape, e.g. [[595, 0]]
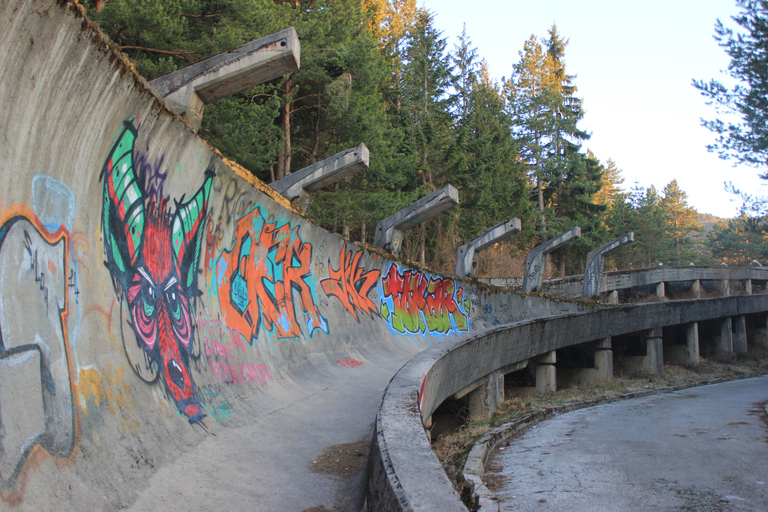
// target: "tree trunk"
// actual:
[[284, 161], [540, 193], [316, 145], [422, 244]]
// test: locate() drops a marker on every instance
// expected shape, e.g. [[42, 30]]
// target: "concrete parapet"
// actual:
[[296, 186], [466, 255], [189, 89], [594, 265], [389, 231], [534, 261]]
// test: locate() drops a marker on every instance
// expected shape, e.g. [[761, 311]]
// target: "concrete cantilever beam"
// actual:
[[535, 258], [297, 185], [389, 231], [466, 255], [189, 89], [594, 266]]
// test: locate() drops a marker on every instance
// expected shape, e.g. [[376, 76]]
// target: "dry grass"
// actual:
[[452, 448]]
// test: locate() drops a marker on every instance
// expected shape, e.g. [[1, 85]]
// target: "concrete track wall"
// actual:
[[148, 289], [572, 286], [405, 473]]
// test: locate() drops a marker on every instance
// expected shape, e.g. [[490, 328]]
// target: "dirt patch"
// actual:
[[758, 410], [342, 460], [699, 500]]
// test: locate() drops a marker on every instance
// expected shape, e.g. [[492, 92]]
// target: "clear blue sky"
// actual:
[[634, 61]]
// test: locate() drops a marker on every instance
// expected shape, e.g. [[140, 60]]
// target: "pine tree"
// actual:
[[745, 141], [681, 219]]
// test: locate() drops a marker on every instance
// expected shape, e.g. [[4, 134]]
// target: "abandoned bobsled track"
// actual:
[[174, 335]]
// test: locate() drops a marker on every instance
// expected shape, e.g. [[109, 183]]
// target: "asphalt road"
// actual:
[[699, 449]]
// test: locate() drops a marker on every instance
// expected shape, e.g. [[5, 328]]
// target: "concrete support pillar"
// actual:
[[688, 353], [740, 337], [654, 359], [546, 374], [724, 342], [697, 289], [748, 287], [613, 297], [660, 291], [603, 360], [725, 287], [692, 342], [602, 369], [484, 400]]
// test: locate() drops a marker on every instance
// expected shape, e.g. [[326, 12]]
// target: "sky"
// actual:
[[634, 61]]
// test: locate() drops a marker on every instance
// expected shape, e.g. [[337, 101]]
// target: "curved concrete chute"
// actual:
[[405, 463], [174, 334]]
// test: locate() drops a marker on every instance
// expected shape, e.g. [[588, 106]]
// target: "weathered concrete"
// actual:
[[602, 369], [466, 255], [534, 261], [190, 89], [546, 373], [653, 359], [296, 186], [696, 449], [684, 354], [702, 279], [594, 266], [389, 231], [724, 340], [485, 399], [402, 454], [187, 320], [740, 334]]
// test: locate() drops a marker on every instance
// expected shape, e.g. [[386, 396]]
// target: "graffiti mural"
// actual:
[[36, 399], [351, 285], [153, 252], [414, 302], [221, 344], [258, 278]]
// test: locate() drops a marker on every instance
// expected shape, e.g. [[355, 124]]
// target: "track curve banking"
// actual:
[[173, 335]]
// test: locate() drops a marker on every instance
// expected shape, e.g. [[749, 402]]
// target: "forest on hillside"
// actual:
[[380, 72]]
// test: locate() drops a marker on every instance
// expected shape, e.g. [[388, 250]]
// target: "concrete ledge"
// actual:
[[389, 231], [189, 89], [323, 173]]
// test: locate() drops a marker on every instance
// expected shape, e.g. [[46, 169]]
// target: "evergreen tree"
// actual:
[[681, 219], [745, 141], [546, 112]]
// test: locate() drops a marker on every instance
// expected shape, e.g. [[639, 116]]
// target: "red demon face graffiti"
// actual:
[[153, 255]]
